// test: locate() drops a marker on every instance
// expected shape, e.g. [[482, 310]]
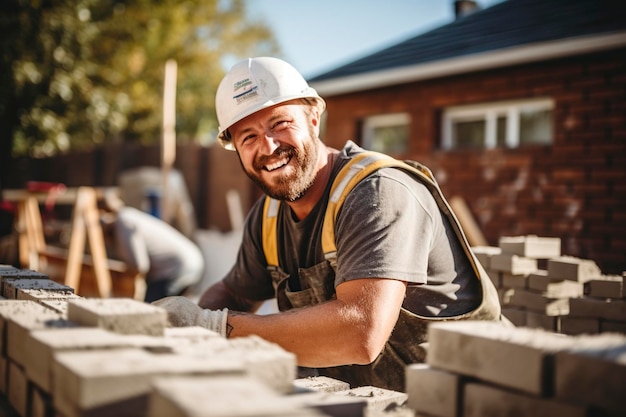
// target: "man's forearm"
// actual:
[[351, 329], [320, 336]]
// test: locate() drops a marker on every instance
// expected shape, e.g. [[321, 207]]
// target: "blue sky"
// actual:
[[319, 35]]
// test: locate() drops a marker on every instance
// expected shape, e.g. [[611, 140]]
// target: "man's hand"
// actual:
[[182, 312]]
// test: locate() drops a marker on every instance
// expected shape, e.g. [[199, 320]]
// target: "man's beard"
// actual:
[[294, 186]]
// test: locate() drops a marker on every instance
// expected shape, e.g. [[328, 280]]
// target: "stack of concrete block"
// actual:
[[485, 369], [540, 287], [69, 356]]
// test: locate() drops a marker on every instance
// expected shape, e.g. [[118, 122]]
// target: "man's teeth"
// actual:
[[277, 164]]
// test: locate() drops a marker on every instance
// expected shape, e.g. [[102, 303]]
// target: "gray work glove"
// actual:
[[182, 312]]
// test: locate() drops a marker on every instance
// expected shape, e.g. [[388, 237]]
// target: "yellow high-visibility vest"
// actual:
[[349, 176]]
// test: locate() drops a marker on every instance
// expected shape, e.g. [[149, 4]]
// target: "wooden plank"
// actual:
[[472, 231]]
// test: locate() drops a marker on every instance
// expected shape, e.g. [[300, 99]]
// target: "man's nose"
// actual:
[[269, 144]]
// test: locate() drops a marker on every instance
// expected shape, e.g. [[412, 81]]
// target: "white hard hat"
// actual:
[[255, 84]]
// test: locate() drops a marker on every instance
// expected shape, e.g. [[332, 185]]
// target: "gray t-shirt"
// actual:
[[389, 227]]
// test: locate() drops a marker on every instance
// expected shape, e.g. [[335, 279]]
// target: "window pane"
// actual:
[[391, 139], [387, 132], [470, 134], [535, 127], [505, 124]]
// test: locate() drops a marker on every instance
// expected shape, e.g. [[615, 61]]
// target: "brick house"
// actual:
[[519, 109]]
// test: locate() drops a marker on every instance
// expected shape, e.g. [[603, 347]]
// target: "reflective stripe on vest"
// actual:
[[270, 224]]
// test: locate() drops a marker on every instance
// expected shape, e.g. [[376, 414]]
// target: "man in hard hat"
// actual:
[[361, 315]]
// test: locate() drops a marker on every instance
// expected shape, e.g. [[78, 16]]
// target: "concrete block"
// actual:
[[9, 271], [219, 396], [606, 286], [264, 360], [57, 305], [17, 389], [537, 302], [6, 286], [579, 325], [193, 343], [608, 309], [13, 286], [572, 269], [535, 320], [119, 315], [433, 391], [541, 282], [517, 316], [485, 350], [505, 295], [484, 254], [330, 404], [120, 380], [42, 345], [488, 401], [495, 276], [4, 268], [44, 294], [26, 317], [320, 384], [190, 333], [593, 373], [378, 399], [6, 308], [513, 264], [531, 246], [514, 281], [607, 326]]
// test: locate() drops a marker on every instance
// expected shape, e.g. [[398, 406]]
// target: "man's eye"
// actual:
[[247, 138], [280, 124]]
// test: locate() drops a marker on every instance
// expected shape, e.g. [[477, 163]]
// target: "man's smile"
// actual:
[[278, 164]]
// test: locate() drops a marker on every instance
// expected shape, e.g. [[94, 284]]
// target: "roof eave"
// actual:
[[469, 63]]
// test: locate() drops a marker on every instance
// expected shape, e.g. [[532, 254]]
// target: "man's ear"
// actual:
[[315, 119]]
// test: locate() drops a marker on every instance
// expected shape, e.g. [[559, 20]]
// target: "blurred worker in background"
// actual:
[[361, 316], [170, 262]]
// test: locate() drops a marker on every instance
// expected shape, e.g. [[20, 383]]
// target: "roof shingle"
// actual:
[[507, 24]]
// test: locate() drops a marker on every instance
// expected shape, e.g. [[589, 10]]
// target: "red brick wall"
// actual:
[[574, 189]]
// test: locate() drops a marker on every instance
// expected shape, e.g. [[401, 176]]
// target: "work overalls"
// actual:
[[408, 341]]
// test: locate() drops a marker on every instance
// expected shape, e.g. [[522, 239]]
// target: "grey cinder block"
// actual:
[[606, 286], [119, 315], [377, 398], [433, 391], [612, 310], [220, 396], [593, 373], [513, 264], [482, 400], [573, 269], [85, 381], [320, 384], [508, 356], [14, 286], [531, 246]]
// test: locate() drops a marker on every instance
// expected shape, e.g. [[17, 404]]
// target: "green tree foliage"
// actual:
[[83, 72]]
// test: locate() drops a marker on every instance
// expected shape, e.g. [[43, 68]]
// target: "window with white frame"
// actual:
[[387, 133], [500, 124]]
